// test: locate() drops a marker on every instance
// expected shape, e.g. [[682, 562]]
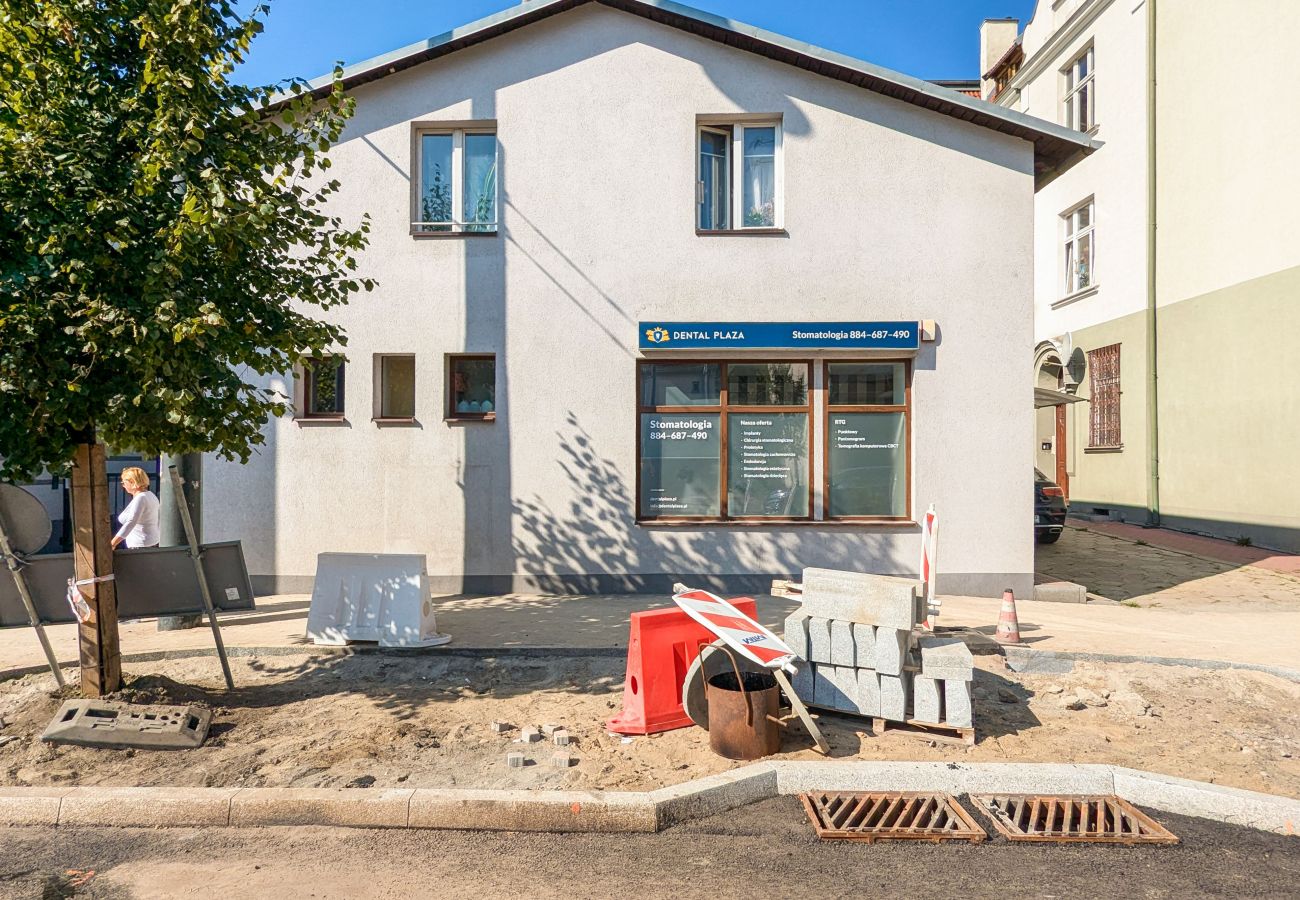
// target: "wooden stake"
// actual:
[[196, 554], [92, 552]]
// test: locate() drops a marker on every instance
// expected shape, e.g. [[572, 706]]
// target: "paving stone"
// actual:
[[819, 640], [1037, 662], [891, 650], [868, 692], [842, 651], [864, 643], [894, 694], [832, 688], [550, 729], [927, 700], [859, 597], [515, 759], [529, 735], [803, 682], [946, 657], [561, 759], [957, 703], [1060, 592], [561, 738], [500, 727], [796, 633]]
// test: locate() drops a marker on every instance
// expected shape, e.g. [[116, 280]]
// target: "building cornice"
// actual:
[[1074, 26]]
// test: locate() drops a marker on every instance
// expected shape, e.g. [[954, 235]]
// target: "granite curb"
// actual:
[[621, 811]]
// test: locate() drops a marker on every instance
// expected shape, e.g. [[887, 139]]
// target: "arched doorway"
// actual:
[[1053, 392]]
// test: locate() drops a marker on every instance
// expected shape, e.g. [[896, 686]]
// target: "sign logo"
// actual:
[[657, 335]]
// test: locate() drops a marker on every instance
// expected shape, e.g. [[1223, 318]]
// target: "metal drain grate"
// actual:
[[1095, 819], [890, 816]]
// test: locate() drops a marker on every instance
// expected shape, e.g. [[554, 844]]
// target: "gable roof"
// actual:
[[1056, 148]]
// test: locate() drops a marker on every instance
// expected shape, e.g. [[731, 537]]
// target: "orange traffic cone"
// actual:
[[1008, 625]]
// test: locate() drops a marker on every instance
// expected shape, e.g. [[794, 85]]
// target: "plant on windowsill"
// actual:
[[761, 216]]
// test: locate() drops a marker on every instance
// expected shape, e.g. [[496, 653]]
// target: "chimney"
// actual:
[[996, 38]]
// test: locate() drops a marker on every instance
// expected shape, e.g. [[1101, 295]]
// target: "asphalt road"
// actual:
[[767, 850]]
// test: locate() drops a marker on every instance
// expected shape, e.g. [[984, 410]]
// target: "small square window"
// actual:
[[323, 384], [395, 387], [471, 387]]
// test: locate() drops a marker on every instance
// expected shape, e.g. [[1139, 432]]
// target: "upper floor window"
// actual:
[[738, 176], [1080, 93], [1080, 248], [457, 189]]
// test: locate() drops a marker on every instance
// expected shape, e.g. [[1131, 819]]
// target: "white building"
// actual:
[[1166, 266], [590, 220]]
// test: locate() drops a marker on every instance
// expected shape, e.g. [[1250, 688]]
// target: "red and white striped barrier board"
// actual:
[[736, 629], [929, 555]]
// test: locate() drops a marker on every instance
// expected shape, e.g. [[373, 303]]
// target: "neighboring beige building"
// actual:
[[589, 221], [1167, 264]]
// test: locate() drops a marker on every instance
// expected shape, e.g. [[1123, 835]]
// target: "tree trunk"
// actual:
[[92, 551]]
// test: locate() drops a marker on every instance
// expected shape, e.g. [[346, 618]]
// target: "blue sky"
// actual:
[[925, 38]]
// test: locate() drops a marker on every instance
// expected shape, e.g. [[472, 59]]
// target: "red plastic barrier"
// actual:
[[661, 646]]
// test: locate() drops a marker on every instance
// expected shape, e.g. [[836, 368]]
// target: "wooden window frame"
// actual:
[[1097, 426], [723, 409], [829, 409], [449, 371], [379, 418], [309, 375]]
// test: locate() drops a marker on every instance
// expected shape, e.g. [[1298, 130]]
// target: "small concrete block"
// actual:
[[891, 650], [803, 682], [1060, 592], [842, 651], [550, 729], [500, 727], [561, 738], [819, 640], [957, 703], [868, 692], [927, 700], [864, 644], [796, 633], [829, 689], [859, 597], [530, 734], [946, 657], [894, 691], [515, 759], [561, 759]]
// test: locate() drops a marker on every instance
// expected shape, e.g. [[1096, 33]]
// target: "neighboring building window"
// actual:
[[867, 455], [1080, 248], [471, 387], [738, 177], [457, 190], [395, 387], [323, 388], [1104, 393], [1080, 93], [723, 441]]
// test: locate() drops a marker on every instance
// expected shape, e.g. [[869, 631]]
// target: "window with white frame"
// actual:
[[738, 176], [1080, 248], [1081, 93], [457, 188]]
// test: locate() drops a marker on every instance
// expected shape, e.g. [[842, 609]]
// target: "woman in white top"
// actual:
[[140, 518]]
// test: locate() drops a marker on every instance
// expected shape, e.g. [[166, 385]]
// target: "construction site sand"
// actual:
[[424, 721]]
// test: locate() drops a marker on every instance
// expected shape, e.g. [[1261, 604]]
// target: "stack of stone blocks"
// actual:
[[856, 632]]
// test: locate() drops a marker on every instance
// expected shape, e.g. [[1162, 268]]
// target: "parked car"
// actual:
[[1050, 509]]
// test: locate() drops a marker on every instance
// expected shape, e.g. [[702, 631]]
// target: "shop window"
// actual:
[[457, 190], [868, 458], [471, 387], [395, 387], [1080, 248], [723, 441], [738, 177], [1103, 400], [322, 394], [1081, 93]]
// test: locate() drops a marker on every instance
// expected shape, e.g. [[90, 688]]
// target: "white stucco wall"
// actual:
[[892, 213]]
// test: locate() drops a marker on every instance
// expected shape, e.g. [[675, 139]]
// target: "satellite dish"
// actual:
[[25, 520]]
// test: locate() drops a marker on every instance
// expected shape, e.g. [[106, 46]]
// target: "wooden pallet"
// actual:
[[949, 734]]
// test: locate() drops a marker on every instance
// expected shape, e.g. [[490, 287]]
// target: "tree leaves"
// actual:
[[166, 233]]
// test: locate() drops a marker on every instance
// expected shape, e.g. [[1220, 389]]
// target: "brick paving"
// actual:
[[1200, 545]]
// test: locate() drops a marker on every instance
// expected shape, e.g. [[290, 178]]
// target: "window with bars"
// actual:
[[1103, 413]]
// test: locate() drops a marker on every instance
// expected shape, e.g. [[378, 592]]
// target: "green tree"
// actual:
[[164, 230]]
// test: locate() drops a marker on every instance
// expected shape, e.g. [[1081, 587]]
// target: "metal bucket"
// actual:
[[743, 707]]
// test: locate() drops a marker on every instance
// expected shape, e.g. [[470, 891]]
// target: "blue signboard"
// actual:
[[779, 335]]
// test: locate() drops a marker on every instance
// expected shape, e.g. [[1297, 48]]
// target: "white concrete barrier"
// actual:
[[380, 597]]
